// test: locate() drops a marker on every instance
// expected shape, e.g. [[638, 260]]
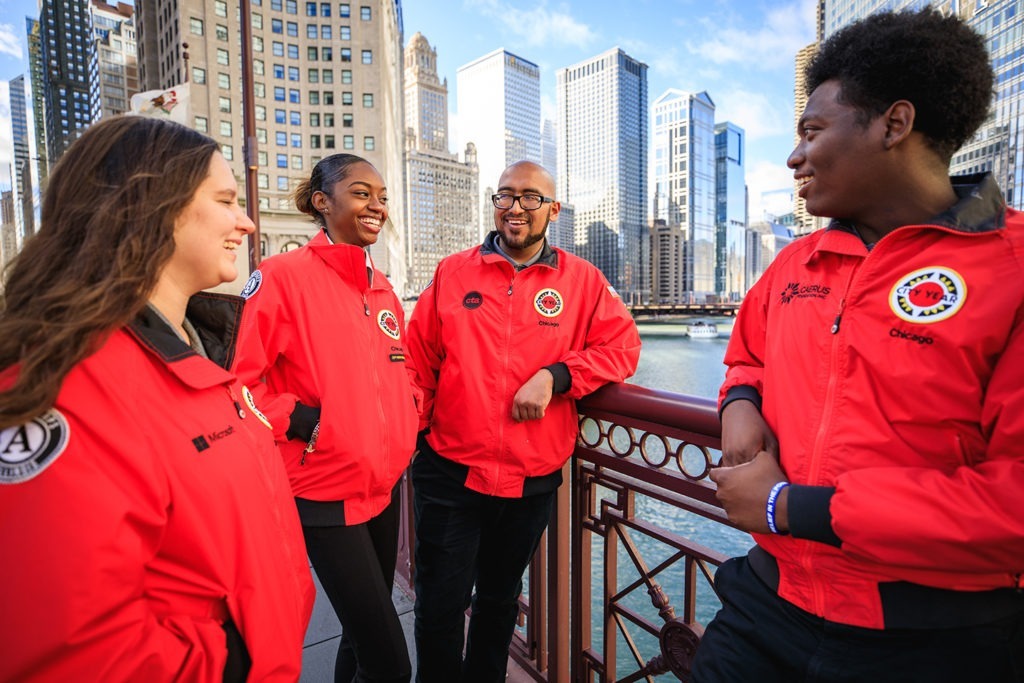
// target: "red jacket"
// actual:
[[894, 381], [482, 328], [315, 331], [142, 511]]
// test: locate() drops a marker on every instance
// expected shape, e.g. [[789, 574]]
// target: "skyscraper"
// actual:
[[114, 27], [70, 75], [602, 165], [999, 145], [442, 215], [684, 182], [35, 60], [499, 112], [326, 79], [24, 211], [730, 212]]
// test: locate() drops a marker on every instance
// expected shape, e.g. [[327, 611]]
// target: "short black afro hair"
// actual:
[[937, 63]]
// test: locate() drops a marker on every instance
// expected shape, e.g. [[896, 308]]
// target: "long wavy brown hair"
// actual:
[[106, 233]]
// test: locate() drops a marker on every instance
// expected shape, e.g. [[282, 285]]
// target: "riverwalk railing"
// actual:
[[619, 588]]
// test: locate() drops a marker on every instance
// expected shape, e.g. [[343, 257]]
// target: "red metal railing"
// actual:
[[639, 468]]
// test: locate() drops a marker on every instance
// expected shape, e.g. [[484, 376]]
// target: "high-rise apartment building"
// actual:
[[114, 27], [498, 97], [998, 146], [8, 228], [549, 147], [602, 166], [442, 214], [730, 211], [35, 61], [668, 244], [24, 211], [326, 79], [70, 73], [684, 182]]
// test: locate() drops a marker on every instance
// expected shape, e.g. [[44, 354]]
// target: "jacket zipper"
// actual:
[[504, 381]]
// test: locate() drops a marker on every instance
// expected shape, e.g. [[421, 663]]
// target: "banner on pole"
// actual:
[[171, 103]]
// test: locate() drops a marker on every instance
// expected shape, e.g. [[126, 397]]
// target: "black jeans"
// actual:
[[758, 636], [464, 537], [356, 566]]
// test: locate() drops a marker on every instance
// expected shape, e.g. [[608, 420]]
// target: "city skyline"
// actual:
[[740, 51]]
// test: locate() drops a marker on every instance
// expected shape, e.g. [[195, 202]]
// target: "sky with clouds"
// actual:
[[740, 51]]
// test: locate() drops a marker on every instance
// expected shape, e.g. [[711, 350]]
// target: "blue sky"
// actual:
[[740, 51]]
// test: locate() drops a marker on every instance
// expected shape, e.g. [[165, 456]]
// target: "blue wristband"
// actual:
[[769, 509]]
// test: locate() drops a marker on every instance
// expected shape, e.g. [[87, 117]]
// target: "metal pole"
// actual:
[[249, 150]]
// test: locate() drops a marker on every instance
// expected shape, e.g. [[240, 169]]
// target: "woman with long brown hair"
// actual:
[[321, 345], [143, 507]]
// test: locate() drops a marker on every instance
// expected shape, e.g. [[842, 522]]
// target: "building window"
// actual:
[[275, 4], [291, 6], [282, 182], [198, 75], [329, 141], [293, 29], [276, 26], [328, 97], [220, 8], [257, 44], [325, 32], [346, 120], [281, 138], [195, 26], [311, 31], [282, 161], [222, 57], [346, 75], [261, 137], [202, 125], [328, 120], [263, 181], [328, 76], [348, 142], [310, 9], [367, 56], [224, 81], [257, 22], [346, 98], [364, 13], [259, 67], [259, 89], [293, 73], [261, 112], [225, 129], [297, 160], [314, 119], [369, 144], [293, 51], [312, 54], [314, 96], [279, 116], [313, 75], [277, 49], [294, 96], [346, 33], [368, 100], [344, 10], [279, 94], [346, 54], [222, 32], [224, 104], [228, 151], [296, 140], [326, 54], [261, 158], [295, 118], [314, 141], [325, 9], [279, 71]]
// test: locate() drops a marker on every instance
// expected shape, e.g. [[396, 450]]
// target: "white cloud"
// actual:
[[538, 25], [759, 114], [772, 45], [10, 41], [770, 188]]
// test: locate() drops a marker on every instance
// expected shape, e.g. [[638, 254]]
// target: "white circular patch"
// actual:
[[548, 302], [388, 322], [247, 397], [928, 295], [252, 285], [28, 449]]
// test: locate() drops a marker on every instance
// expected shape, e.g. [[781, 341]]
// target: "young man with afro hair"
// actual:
[[873, 407]]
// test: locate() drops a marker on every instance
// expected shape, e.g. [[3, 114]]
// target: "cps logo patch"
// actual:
[[28, 449], [548, 302], [928, 295], [247, 397], [252, 285], [388, 322]]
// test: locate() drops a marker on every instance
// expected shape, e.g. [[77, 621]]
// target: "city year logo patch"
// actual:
[[548, 302], [247, 397], [472, 300], [928, 295], [388, 322], [28, 449], [252, 285]]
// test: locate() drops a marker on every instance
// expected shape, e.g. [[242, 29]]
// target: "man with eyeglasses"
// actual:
[[504, 339]]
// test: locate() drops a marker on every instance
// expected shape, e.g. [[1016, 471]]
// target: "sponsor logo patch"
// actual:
[[388, 322], [397, 357], [28, 449], [247, 397], [252, 285], [548, 302], [472, 300], [928, 295], [611, 290], [794, 290]]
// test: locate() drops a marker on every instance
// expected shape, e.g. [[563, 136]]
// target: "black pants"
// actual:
[[464, 537], [758, 636], [356, 566]]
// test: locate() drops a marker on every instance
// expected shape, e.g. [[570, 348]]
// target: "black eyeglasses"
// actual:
[[528, 202]]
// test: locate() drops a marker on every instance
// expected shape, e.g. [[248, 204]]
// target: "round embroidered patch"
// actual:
[[28, 449], [928, 295], [548, 302], [247, 397], [252, 285], [388, 322]]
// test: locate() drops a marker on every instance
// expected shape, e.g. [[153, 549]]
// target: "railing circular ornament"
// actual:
[[630, 439], [594, 426], [686, 454], [666, 450], [679, 641]]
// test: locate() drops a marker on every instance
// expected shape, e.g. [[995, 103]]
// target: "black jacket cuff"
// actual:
[[302, 421], [740, 392], [563, 380], [809, 514]]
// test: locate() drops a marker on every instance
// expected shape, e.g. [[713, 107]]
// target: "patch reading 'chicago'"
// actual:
[[28, 449], [247, 397], [928, 295], [548, 302], [388, 322], [252, 285]]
